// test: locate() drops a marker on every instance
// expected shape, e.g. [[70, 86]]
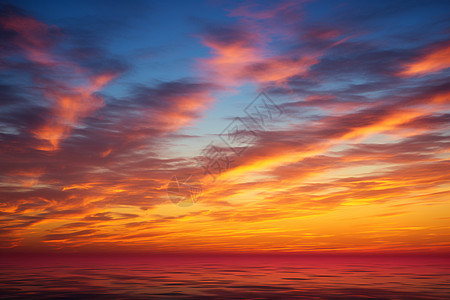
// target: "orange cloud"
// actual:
[[245, 51], [233, 63], [70, 105], [435, 60], [69, 102]]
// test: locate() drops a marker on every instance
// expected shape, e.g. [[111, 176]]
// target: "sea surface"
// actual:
[[224, 277]]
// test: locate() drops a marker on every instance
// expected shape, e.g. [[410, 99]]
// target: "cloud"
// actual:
[[72, 235], [69, 100], [244, 51], [434, 59], [107, 216]]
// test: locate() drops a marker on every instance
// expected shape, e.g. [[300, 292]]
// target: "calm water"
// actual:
[[224, 277]]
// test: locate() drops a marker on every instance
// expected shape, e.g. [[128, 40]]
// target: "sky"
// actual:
[[224, 126]]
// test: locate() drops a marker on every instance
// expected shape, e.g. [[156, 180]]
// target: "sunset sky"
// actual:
[[102, 103]]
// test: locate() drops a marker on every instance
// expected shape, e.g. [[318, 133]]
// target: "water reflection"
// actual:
[[225, 277]]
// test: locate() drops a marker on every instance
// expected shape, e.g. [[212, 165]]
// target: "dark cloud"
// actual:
[[229, 34], [107, 216], [72, 235]]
